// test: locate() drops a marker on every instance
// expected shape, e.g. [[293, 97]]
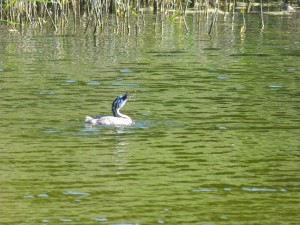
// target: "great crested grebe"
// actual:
[[285, 7], [118, 119]]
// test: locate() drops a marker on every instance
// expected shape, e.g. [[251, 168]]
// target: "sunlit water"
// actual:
[[216, 133]]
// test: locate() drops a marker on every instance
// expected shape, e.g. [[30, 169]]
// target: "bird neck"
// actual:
[[123, 116], [116, 113]]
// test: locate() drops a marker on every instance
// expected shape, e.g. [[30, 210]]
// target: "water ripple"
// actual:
[[75, 193], [99, 219], [275, 86], [124, 224], [65, 220], [92, 83], [251, 189], [205, 190], [123, 84], [45, 93], [125, 71], [43, 195], [259, 189]]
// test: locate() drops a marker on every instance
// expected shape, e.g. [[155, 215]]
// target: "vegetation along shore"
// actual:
[[18, 14]]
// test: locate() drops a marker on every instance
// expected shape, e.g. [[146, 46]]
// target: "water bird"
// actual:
[[118, 119], [286, 7]]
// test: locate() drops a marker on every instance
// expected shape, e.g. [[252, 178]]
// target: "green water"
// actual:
[[216, 133]]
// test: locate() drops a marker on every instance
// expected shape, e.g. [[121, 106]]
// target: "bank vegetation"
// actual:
[[18, 14]]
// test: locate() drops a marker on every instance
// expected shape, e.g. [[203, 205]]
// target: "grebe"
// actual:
[[286, 7], [118, 119]]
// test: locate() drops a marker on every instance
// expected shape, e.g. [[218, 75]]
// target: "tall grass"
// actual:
[[37, 13]]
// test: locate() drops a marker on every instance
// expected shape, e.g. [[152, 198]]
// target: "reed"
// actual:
[[39, 13]]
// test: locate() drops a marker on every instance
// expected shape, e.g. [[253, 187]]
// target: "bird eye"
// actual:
[[125, 96]]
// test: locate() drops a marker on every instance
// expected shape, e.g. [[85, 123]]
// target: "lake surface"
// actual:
[[216, 133]]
